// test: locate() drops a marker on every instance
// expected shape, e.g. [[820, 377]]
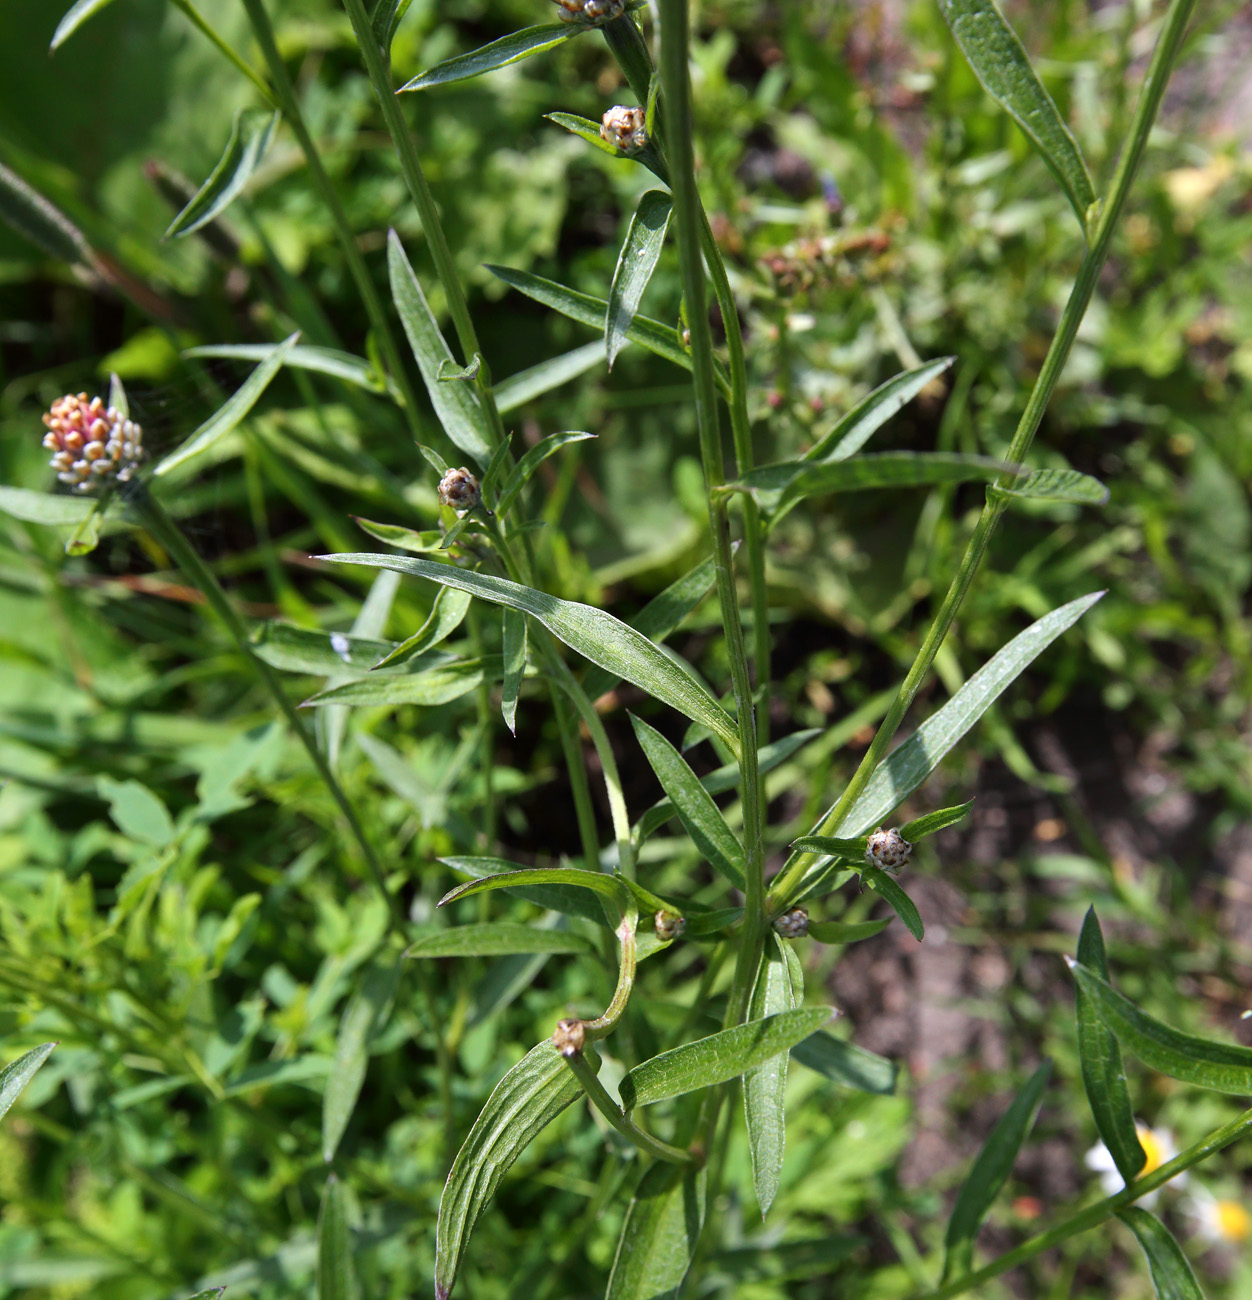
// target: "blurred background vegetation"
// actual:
[[175, 906]]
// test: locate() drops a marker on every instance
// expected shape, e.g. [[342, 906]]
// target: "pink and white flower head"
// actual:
[[1159, 1147], [91, 443]]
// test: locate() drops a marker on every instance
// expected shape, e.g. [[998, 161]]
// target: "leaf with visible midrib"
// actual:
[[499, 54], [903, 906], [250, 136], [16, 1075], [635, 264], [659, 1235], [1171, 1274], [556, 897], [495, 939]]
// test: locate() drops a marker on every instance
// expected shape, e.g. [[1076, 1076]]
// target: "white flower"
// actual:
[[1159, 1147], [1219, 1222]]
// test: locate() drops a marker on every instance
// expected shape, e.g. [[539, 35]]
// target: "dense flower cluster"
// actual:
[[459, 489], [887, 850], [625, 127], [91, 442]]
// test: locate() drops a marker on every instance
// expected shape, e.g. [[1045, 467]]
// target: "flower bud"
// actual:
[[625, 127], [459, 489], [669, 925], [569, 1037], [888, 850], [591, 13], [91, 443], [793, 924]]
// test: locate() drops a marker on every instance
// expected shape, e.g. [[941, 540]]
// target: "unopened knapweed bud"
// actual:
[[569, 1037], [888, 850], [669, 925], [459, 489], [591, 12], [793, 924], [625, 127], [91, 442]]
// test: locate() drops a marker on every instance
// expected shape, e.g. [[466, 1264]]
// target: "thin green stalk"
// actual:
[[1054, 363], [198, 21], [487, 753], [290, 108], [584, 813], [600, 1099], [1099, 1213]]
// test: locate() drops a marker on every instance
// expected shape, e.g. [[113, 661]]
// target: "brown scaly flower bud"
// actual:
[[625, 127], [91, 442], [793, 924], [669, 925], [591, 12], [569, 1037], [459, 489], [888, 850]]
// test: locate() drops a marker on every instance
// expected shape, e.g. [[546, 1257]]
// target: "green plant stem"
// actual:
[[600, 1099], [687, 221], [1054, 363], [197, 20], [1099, 1213], [487, 749], [290, 108], [584, 813]]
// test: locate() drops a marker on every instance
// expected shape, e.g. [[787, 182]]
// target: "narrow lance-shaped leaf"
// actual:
[[994, 1163], [457, 406], [534, 457], [440, 684], [362, 1019], [779, 987], [302, 650], [223, 421], [73, 19], [659, 1235], [250, 136], [529, 1097], [587, 130], [635, 264], [1056, 485], [40, 221], [17, 1074], [336, 1275], [593, 633], [719, 1057], [1171, 1274], [693, 803], [847, 1064], [1002, 65], [610, 887], [533, 382], [903, 906], [499, 54], [495, 939], [514, 637], [931, 822], [1103, 1075], [554, 896], [385, 19], [323, 361], [846, 931], [1222, 1067], [447, 613]]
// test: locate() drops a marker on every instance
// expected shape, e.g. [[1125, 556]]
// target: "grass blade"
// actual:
[[635, 264], [447, 613], [16, 1075], [530, 462], [250, 136], [1171, 1274], [514, 638], [659, 1235], [847, 1064], [498, 54], [495, 939], [988, 1174]]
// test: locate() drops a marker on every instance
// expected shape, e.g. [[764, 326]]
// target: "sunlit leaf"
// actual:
[[1056, 485], [557, 897], [447, 613], [43, 507], [660, 1234], [250, 136], [514, 656], [302, 650], [138, 812], [499, 54], [17, 1074], [534, 457], [587, 130], [903, 906], [635, 263], [73, 19], [847, 1064], [528, 384], [323, 361], [495, 939], [610, 887], [438, 685], [931, 822]]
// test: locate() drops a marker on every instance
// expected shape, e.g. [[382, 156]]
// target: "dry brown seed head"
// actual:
[[793, 924], [669, 925], [887, 849], [625, 127], [569, 1037], [459, 489]]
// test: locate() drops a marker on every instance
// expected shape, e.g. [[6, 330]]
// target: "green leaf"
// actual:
[[832, 846], [593, 633], [457, 406], [586, 129], [610, 887], [635, 264], [86, 535], [43, 507], [847, 1064], [529, 1097], [1056, 485], [657, 619], [554, 897], [1168, 1267], [1002, 65], [694, 805], [422, 542], [74, 17], [531, 461], [719, 1057], [336, 1276], [218, 425], [499, 54], [495, 939], [920, 827], [41, 222], [450, 372], [794, 480], [447, 613], [1103, 1075], [903, 906], [323, 361], [660, 1234], [650, 334], [302, 650], [139, 814], [250, 136], [17, 1074], [385, 20], [439, 685], [988, 1174], [528, 384], [846, 932], [514, 639], [779, 987], [364, 1016], [1222, 1067]]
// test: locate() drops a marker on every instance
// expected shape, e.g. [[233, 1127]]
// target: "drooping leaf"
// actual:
[[1221, 1067], [1171, 1274], [593, 633], [236, 407], [534, 457], [457, 406], [996, 55], [556, 897], [74, 17], [719, 1057], [903, 906], [1056, 485], [529, 1097], [302, 650], [44, 507], [336, 1275], [499, 54], [323, 361], [635, 264], [1103, 1075], [659, 1235], [694, 805], [986, 1177], [447, 613], [514, 638], [420, 542], [779, 987], [845, 932], [363, 1017], [17, 1074], [438, 685], [847, 1064], [250, 136], [528, 384], [931, 822], [495, 939]]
